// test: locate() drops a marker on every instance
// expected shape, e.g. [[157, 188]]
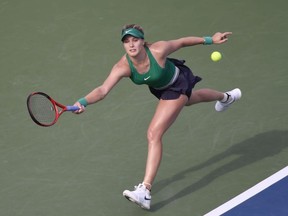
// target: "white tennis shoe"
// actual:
[[233, 96], [141, 196]]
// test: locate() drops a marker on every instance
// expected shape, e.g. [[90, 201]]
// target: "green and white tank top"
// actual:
[[156, 77]]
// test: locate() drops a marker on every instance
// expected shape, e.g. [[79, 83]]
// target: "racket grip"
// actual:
[[72, 108]]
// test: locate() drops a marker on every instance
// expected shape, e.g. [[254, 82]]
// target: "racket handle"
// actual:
[[72, 108]]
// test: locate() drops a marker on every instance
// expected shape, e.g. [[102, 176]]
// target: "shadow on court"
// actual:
[[249, 151]]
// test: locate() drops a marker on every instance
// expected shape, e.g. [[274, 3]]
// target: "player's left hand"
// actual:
[[219, 38]]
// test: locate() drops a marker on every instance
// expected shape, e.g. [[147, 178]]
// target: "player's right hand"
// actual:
[[81, 108]]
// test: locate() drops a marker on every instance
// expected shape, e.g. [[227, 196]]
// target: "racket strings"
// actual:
[[42, 109]]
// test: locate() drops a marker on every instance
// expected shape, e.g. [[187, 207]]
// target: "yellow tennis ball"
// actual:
[[216, 56]]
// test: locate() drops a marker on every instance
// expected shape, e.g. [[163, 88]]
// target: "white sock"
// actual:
[[225, 98]]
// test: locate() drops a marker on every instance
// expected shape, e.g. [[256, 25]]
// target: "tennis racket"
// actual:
[[45, 111]]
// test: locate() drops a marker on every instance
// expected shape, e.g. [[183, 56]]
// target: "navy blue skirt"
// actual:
[[183, 84]]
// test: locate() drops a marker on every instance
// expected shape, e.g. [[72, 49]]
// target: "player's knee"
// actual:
[[154, 135]]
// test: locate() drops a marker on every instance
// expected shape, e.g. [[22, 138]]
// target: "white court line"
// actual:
[[249, 193]]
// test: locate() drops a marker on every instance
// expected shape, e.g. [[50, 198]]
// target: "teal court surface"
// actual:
[[230, 163]]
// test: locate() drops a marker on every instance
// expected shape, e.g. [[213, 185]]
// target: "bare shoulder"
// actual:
[[158, 46], [122, 67], [162, 49], [158, 50]]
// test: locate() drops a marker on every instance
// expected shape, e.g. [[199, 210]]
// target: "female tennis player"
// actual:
[[170, 80]]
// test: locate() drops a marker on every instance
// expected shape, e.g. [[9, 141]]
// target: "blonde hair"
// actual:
[[138, 27]]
